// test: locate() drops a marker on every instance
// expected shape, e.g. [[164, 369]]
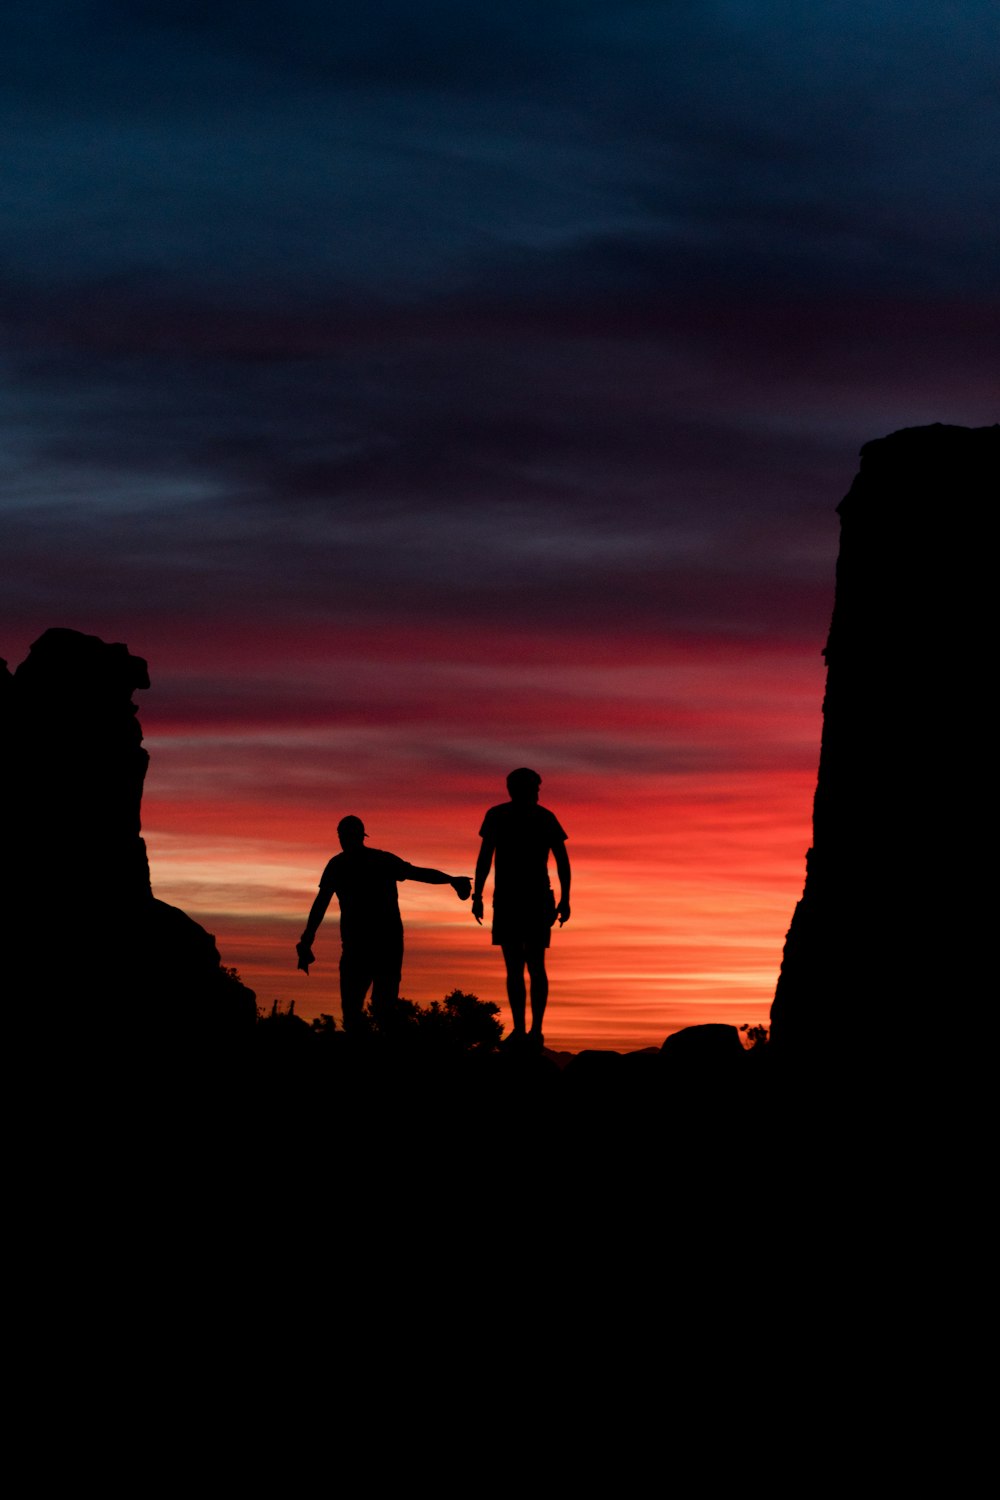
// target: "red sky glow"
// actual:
[[684, 877], [426, 391]]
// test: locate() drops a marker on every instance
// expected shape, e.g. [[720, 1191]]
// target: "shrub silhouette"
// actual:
[[286, 1020], [460, 1022], [754, 1036]]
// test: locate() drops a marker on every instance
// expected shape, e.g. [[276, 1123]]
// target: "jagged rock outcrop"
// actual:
[[888, 943], [87, 948]]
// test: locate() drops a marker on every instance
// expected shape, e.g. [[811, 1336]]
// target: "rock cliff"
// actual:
[[87, 947], [889, 937]]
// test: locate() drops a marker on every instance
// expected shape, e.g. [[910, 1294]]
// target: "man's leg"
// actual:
[[513, 957], [386, 979], [534, 954], [355, 977]]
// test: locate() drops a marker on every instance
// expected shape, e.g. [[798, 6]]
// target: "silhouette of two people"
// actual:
[[518, 836], [371, 928]]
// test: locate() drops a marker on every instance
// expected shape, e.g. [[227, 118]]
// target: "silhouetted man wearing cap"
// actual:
[[371, 928], [521, 835]]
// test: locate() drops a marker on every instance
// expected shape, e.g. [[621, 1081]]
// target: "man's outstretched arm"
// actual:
[[460, 884], [316, 914], [482, 871], [562, 869]]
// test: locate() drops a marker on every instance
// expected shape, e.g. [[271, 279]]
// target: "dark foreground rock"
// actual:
[[704, 1047]]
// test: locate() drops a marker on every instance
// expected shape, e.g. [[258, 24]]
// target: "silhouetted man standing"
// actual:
[[521, 835], [371, 928]]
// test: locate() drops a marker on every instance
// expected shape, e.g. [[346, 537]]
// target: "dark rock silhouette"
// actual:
[[889, 936], [707, 1046], [87, 947]]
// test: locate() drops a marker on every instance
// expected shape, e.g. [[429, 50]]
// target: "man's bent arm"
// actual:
[[460, 883], [562, 869]]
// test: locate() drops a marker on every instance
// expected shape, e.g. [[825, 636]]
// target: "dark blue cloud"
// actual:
[[314, 151], [579, 308]]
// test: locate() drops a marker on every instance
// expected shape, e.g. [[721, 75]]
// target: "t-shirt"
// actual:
[[365, 883], [522, 834]]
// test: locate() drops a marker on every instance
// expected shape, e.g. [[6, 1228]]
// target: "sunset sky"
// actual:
[[430, 389]]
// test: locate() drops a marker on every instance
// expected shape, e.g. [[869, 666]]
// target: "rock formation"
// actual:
[[887, 945], [87, 948]]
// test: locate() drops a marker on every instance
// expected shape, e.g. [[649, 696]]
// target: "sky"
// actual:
[[428, 390]]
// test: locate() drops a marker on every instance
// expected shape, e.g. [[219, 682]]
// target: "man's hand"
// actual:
[[305, 953], [477, 909], [462, 887], [562, 912]]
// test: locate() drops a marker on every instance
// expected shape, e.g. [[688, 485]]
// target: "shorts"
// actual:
[[524, 923]]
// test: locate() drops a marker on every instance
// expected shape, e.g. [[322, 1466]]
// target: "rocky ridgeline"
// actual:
[[887, 944], [85, 939]]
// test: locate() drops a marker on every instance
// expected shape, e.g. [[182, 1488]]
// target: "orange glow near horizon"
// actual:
[[686, 790]]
